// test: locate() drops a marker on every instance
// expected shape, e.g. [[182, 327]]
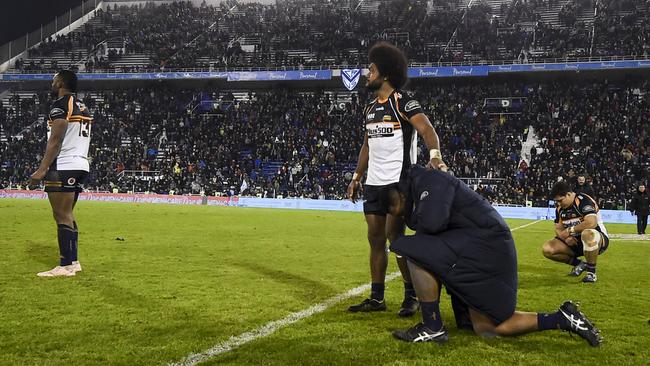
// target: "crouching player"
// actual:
[[579, 231]]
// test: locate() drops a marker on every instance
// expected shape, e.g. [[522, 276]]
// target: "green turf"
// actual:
[[186, 278]]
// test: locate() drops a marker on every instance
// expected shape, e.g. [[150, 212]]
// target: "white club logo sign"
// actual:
[[350, 77]]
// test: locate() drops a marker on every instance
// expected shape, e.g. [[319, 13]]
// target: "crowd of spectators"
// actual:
[[304, 144], [600, 130], [621, 27], [568, 15], [309, 33]]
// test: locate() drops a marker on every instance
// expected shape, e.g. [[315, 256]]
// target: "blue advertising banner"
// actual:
[[413, 72], [447, 71], [230, 76], [122, 76], [575, 66], [279, 75], [21, 77], [529, 213]]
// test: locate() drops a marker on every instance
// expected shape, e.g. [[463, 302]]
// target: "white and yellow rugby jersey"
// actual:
[[76, 142], [392, 140], [583, 206]]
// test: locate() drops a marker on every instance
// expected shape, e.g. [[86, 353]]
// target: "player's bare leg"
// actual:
[[520, 323], [394, 229], [62, 204], [377, 241], [560, 251], [378, 265], [568, 318], [592, 240], [76, 266]]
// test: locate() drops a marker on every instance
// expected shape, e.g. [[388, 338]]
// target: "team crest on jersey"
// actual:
[[350, 77], [411, 105], [424, 195], [56, 112], [71, 181]]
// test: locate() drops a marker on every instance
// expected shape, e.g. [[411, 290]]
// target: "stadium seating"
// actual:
[[312, 33], [302, 144], [305, 143]]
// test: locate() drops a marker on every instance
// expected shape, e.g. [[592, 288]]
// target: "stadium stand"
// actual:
[[305, 142], [308, 33], [291, 143]]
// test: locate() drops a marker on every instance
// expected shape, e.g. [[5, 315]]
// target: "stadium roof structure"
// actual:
[[22, 17]]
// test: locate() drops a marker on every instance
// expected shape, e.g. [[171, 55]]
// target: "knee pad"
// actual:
[[592, 245]]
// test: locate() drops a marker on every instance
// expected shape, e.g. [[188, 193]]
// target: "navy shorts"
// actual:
[[376, 199], [479, 268], [65, 180], [578, 249]]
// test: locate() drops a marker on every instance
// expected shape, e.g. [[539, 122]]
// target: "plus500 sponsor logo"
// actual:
[[378, 131]]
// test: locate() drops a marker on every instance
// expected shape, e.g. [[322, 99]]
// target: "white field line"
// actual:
[[629, 237], [525, 225], [269, 328]]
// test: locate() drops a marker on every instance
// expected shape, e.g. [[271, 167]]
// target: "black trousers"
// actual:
[[641, 223]]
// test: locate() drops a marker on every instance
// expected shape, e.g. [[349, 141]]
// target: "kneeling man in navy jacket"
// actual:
[[461, 242]]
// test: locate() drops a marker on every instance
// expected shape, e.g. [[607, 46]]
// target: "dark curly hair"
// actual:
[[390, 62], [69, 79]]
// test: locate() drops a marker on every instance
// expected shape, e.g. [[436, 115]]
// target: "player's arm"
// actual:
[[57, 132], [362, 162], [411, 110], [560, 231], [589, 211], [425, 129], [590, 222], [362, 166]]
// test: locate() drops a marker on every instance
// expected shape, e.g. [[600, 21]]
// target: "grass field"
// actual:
[[187, 278]]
